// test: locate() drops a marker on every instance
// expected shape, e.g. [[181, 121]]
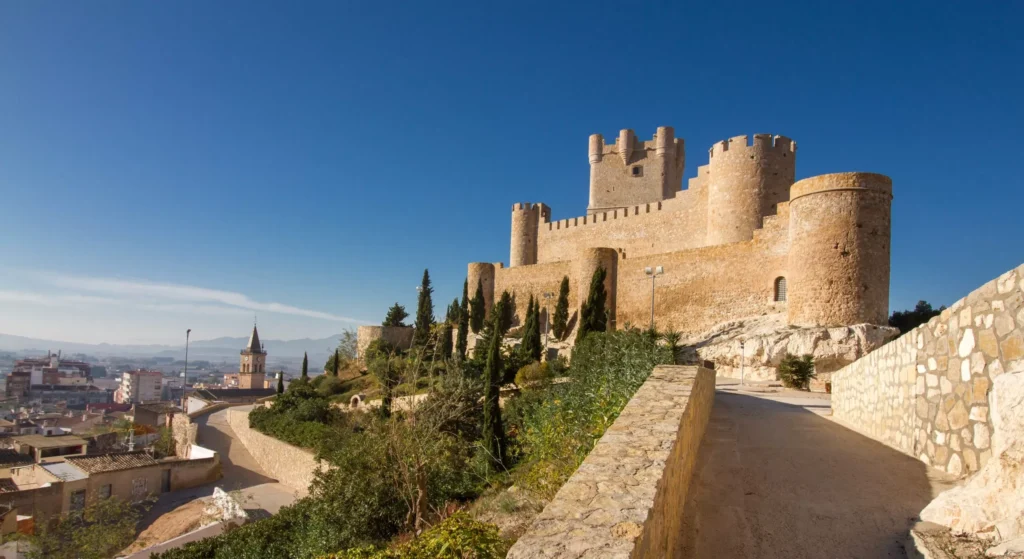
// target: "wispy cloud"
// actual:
[[157, 296]]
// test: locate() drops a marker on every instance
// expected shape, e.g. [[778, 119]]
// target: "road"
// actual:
[[777, 477]]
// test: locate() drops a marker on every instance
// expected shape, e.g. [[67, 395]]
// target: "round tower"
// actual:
[[587, 262], [482, 272], [839, 238], [745, 183], [525, 227]]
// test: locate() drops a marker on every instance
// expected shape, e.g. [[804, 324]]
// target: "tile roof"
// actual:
[[7, 485], [10, 457], [112, 462]]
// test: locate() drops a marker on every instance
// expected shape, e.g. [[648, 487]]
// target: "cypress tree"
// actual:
[[424, 312], [561, 318], [494, 431], [593, 317], [280, 382], [453, 312], [336, 363], [476, 320], [305, 366], [396, 316], [531, 346], [463, 340], [446, 341], [508, 311]]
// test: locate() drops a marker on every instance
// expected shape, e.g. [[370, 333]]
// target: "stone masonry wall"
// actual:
[[626, 500], [926, 393], [290, 465]]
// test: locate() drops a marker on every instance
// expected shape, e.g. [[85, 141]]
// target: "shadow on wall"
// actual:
[[776, 480]]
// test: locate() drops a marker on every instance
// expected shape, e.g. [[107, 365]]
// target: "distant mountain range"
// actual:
[[213, 350]]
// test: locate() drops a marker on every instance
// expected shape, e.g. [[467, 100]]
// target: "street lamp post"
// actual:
[[743, 359], [547, 319], [653, 273], [184, 376]]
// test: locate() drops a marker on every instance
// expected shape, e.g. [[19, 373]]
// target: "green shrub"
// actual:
[[797, 372], [301, 416], [557, 432], [534, 373], [457, 537]]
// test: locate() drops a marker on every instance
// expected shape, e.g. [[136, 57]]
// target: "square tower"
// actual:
[[253, 363]]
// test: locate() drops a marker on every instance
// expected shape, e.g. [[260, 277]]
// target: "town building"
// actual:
[[139, 387], [52, 369], [252, 363]]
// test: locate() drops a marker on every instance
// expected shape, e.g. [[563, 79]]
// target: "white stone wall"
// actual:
[[926, 393]]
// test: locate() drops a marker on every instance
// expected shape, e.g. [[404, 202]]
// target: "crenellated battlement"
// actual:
[[602, 217], [762, 143], [663, 144]]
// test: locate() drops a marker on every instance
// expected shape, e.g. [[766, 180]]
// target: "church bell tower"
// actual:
[[252, 363]]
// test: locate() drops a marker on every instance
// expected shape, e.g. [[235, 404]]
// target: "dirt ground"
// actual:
[[181, 520]]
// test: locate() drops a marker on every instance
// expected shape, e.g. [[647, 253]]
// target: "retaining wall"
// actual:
[[627, 498], [926, 393], [293, 466]]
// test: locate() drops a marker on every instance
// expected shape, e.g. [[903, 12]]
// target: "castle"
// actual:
[[742, 240]]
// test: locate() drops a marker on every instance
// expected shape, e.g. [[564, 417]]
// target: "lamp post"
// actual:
[[743, 359], [184, 376], [547, 318], [653, 273]]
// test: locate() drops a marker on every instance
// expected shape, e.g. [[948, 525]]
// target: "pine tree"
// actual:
[[337, 361], [477, 310], [494, 431], [396, 316], [305, 366], [463, 340], [280, 382], [593, 317], [561, 318], [424, 312], [531, 347]]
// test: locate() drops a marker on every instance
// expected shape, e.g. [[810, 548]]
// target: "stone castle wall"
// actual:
[[626, 499], [926, 393], [741, 225], [290, 465], [398, 336]]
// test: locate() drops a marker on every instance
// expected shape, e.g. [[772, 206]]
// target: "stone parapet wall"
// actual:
[[398, 336], [927, 393], [627, 498], [290, 465]]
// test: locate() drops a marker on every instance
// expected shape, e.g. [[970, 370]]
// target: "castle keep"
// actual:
[[742, 240]]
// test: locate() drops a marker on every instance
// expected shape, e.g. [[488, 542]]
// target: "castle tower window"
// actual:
[[638, 170], [780, 289]]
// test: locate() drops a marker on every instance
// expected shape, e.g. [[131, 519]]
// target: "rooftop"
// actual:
[[10, 457], [7, 485], [65, 471], [40, 441], [112, 462]]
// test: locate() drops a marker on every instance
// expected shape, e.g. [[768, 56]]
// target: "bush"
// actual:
[[457, 537], [301, 416], [534, 373], [557, 432], [797, 372]]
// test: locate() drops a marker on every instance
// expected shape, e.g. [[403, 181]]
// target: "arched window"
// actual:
[[780, 289]]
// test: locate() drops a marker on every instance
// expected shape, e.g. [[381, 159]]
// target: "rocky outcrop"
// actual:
[[991, 504], [759, 345]]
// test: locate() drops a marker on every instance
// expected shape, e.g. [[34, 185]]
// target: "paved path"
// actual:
[[261, 494], [776, 477]]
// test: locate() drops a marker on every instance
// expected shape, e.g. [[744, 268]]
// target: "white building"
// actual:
[[138, 387]]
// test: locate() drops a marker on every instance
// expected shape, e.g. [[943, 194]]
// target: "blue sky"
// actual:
[[186, 164]]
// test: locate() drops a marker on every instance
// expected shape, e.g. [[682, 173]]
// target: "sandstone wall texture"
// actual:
[[927, 392], [626, 499], [741, 228], [184, 433], [293, 466], [482, 274], [399, 336]]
